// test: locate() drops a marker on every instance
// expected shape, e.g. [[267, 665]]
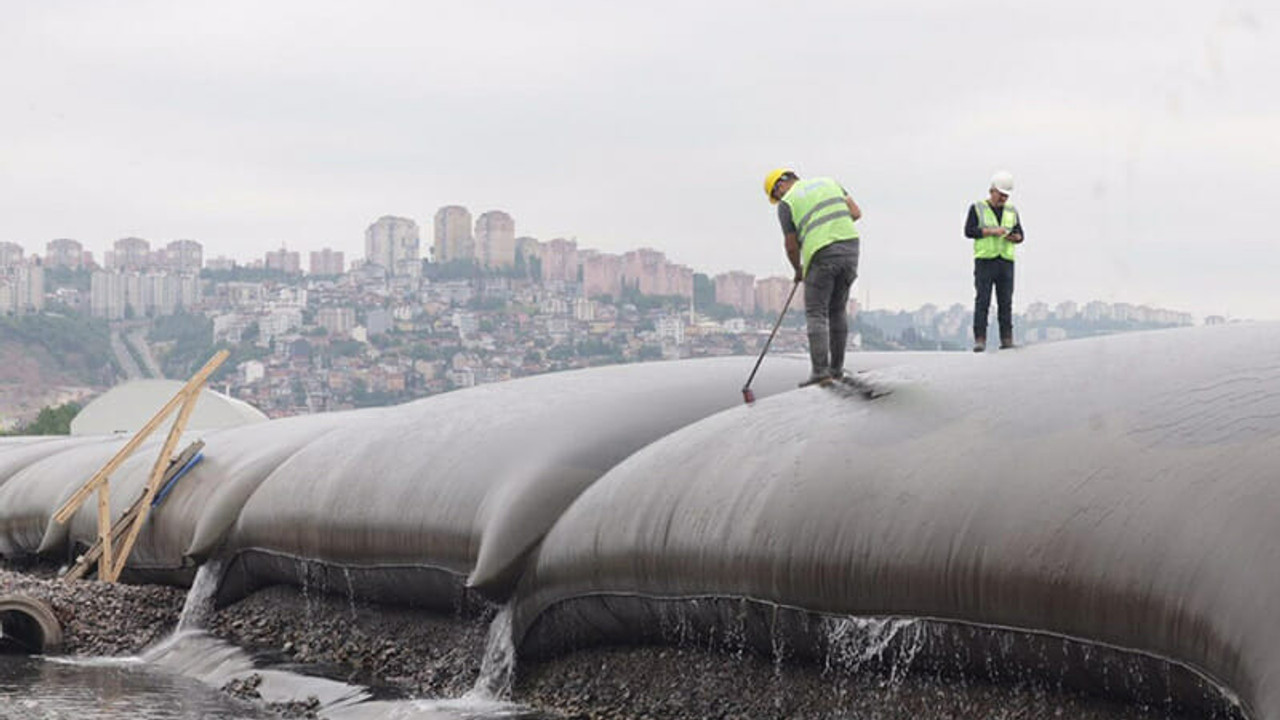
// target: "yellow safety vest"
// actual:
[[820, 215], [985, 248]]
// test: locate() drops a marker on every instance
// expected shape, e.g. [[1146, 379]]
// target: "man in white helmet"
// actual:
[[995, 228]]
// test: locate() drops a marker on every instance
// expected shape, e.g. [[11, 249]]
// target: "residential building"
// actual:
[[771, 294], [10, 254], [21, 288], [106, 294], [736, 289], [496, 240], [670, 329], [221, 262], [338, 321], [327, 262], [453, 239], [184, 256], [559, 261], [130, 253], [286, 261], [64, 252], [601, 274], [393, 243]]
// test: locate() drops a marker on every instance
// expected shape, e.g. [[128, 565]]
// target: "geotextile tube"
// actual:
[[1119, 491], [425, 502]]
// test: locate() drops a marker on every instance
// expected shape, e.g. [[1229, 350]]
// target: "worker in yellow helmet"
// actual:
[[817, 217]]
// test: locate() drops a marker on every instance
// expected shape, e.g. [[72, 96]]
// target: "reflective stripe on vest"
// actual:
[[820, 214], [985, 248]]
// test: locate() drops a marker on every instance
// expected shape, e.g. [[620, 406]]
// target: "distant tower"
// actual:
[[131, 253], [64, 252], [453, 234], [391, 242], [10, 254], [284, 260], [184, 256], [496, 240], [327, 262]]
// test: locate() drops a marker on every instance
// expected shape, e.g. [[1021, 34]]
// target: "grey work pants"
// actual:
[[831, 273]]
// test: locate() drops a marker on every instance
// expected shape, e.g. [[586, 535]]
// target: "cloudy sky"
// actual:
[[1144, 135]]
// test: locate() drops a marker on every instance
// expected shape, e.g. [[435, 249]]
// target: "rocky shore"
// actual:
[[418, 654]]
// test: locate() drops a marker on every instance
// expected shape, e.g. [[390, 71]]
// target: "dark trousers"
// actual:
[[831, 273], [997, 272]]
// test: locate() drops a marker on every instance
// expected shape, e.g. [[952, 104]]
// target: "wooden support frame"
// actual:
[[112, 560], [85, 562]]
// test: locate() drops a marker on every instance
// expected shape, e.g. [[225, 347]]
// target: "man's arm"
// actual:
[[854, 210], [1015, 235], [792, 243], [974, 230], [791, 239]]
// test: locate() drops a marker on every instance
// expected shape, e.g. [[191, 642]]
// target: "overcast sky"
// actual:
[[1144, 136]]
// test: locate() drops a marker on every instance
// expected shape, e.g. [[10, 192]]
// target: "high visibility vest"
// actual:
[[820, 214], [985, 248]]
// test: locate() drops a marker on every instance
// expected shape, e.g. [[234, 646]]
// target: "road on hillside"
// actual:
[[138, 339], [124, 357]]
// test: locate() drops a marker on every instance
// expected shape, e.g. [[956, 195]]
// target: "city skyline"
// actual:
[[774, 287], [246, 127]]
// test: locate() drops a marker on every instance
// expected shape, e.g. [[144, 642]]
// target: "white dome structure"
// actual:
[[127, 407]]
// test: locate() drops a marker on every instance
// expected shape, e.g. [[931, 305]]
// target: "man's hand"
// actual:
[[996, 232], [799, 275], [1014, 238]]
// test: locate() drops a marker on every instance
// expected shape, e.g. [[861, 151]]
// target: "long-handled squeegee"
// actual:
[[747, 395]]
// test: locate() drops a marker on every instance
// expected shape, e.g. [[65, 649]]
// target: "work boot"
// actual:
[[1006, 342], [980, 343], [818, 377]]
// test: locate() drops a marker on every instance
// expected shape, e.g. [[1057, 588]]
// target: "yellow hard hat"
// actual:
[[772, 179]]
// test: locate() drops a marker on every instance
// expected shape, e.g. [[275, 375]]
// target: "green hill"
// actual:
[[49, 359]]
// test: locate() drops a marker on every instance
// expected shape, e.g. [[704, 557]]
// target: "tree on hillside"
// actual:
[[50, 421]]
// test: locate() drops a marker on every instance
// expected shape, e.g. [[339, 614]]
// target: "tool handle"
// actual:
[[776, 325]]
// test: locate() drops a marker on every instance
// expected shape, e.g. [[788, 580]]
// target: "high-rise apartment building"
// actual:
[[64, 252], [771, 294], [649, 271], [286, 261], [106, 294], [736, 289], [559, 261], [453, 239], [21, 287], [601, 274], [393, 243], [114, 295], [10, 254], [338, 321], [129, 253], [328, 262], [496, 240], [184, 256]]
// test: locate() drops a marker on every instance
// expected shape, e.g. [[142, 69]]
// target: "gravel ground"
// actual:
[[409, 653]]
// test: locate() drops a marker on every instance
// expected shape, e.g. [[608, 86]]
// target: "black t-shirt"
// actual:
[[784, 215], [973, 228]]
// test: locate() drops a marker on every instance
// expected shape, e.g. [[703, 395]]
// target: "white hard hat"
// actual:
[[1002, 181]]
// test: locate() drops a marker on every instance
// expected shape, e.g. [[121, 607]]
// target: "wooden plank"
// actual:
[[90, 557], [104, 528], [77, 499], [153, 484]]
